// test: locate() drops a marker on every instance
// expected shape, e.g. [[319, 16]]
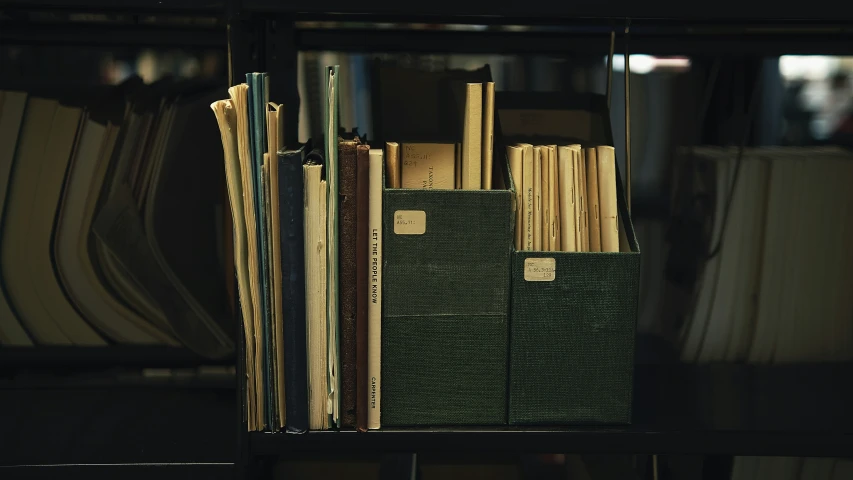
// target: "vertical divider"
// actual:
[[239, 57]]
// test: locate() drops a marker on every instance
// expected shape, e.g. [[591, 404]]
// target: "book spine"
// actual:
[[529, 197], [291, 208], [315, 298], [537, 198], [488, 133], [348, 278], [329, 381], [584, 204], [395, 169], [275, 252], [472, 138], [514, 153], [592, 197], [565, 174], [332, 299], [257, 134], [553, 199], [374, 307], [362, 278], [272, 385], [607, 198], [546, 202]]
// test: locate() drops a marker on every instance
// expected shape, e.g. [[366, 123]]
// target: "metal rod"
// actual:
[[610, 68], [627, 117]]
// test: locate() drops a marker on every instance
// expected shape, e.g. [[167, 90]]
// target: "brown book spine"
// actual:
[[362, 259], [347, 287]]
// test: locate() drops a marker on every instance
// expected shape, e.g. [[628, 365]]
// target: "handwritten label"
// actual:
[[409, 222], [540, 269]]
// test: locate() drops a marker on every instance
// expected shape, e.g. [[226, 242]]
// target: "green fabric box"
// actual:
[[445, 292], [572, 339], [445, 300]]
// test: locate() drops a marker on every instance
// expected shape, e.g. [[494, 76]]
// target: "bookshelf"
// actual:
[[102, 412], [725, 410]]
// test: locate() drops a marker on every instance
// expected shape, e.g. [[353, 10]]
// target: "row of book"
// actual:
[[308, 239], [567, 196], [308, 233], [107, 211], [774, 272]]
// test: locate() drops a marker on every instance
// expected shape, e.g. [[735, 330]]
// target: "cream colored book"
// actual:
[[315, 295], [332, 403], [607, 198], [565, 174], [226, 116], [553, 200], [529, 196], [578, 196], [545, 198], [488, 133], [43, 152], [472, 137], [537, 198], [374, 305], [515, 154], [121, 282], [584, 203], [428, 166], [12, 105], [592, 198], [239, 100], [457, 158], [70, 247], [392, 162]]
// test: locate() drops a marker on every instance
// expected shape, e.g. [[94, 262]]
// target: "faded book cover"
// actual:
[[445, 305], [348, 277], [362, 258]]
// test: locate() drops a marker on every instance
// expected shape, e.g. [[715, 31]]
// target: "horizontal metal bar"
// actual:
[[557, 43], [172, 471], [576, 440], [141, 6], [112, 35], [119, 355], [723, 10]]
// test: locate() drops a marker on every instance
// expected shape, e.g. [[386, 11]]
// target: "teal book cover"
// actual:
[[257, 99]]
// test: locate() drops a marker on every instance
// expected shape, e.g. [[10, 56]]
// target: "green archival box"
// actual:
[[445, 290], [571, 339], [445, 323]]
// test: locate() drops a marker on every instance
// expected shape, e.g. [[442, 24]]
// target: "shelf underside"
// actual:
[[469, 11], [798, 410], [117, 425], [576, 440], [727, 10]]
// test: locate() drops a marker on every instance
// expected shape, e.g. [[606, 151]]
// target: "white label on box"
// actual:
[[540, 269], [409, 222]]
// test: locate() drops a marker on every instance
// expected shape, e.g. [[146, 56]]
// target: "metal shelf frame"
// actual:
[[267, 34]]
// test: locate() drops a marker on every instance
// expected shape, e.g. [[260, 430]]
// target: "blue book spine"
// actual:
[[291, 211], [257, 96]]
